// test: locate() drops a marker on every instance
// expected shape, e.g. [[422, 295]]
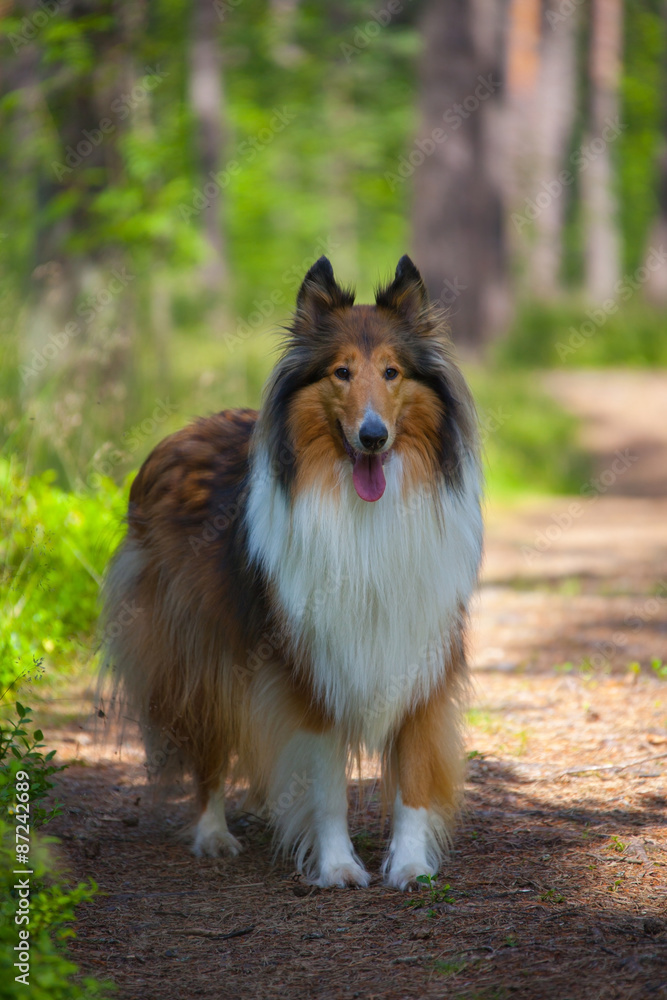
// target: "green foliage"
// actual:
[[21, 749], [643, 83], [53, 549], [551, 896], [435, 895], [576, 335], [52, 909], [659, 668], [53, 902], [529, 442], [450, 966]]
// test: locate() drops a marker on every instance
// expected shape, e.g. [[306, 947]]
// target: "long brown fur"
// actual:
[[208, 660]]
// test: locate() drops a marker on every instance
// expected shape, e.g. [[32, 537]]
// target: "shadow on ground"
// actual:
[[544, 899]]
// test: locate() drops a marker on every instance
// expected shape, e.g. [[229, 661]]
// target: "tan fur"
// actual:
[[426, 758], [206, 662]]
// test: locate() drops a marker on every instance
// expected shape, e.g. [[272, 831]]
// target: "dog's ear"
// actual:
[[406, 295], [320, 292]]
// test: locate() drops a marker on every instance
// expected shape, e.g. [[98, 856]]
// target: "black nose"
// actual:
[[373, 433]]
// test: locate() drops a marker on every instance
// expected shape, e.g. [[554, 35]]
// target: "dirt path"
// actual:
[[557, 886]]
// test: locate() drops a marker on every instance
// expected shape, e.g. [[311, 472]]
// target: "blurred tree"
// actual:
[[656, 286], [603, 237], [459, 230], [541, 104], [207, 104]]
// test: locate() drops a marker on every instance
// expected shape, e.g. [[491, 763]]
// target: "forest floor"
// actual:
[[557, 883]]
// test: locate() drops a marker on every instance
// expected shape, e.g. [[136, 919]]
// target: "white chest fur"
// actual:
[[370, 591]]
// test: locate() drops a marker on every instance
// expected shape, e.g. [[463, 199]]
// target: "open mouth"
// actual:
[[367, 471]]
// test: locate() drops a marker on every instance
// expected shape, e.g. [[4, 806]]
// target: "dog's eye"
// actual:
[[390, 374], [343, 374]]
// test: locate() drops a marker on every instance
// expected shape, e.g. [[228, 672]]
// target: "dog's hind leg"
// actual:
[[307, 804], [211, 835]]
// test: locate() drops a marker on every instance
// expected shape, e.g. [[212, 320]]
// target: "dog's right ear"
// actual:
[[320, 292]]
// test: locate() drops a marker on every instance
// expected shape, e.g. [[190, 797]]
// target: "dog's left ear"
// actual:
[[406, 295], [320, 292]]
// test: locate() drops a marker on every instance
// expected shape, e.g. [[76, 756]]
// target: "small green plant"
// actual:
[[449, 966], [564, 668], [511, 941], [22, 750], [617, 845], [551, 896], [364, 844], [53, 903], [522, 738], [659, 668], [436, 894]]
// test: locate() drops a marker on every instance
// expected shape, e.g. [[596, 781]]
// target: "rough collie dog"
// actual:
[[300, 578]]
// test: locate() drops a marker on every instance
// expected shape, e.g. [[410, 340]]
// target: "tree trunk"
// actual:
[[656, 285], [541, 103], [207, 105], [76, 329], [458, 219], [603, 244]]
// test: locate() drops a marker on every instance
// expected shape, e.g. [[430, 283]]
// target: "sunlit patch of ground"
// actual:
[[557, 884]]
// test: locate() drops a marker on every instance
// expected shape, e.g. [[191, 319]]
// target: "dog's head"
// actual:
[[359, 384]]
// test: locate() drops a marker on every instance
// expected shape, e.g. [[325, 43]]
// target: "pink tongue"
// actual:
[[368, 477]]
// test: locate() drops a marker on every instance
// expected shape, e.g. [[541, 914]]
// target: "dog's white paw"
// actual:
[[347, 871], [414, 847], [212, 838], [403, 874]]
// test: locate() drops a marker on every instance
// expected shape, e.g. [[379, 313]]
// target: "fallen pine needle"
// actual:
[[216, 935], [613, 767]]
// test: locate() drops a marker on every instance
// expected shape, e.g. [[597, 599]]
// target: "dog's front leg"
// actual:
[[428, 764], [308, 806]]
